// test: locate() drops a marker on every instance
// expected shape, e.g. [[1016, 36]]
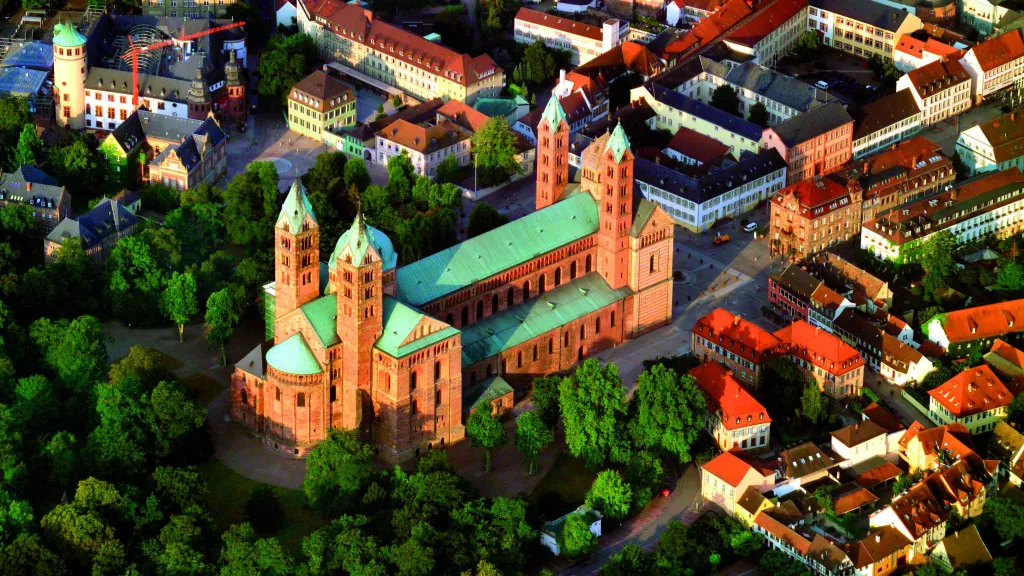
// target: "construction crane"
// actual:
[[134, 53]]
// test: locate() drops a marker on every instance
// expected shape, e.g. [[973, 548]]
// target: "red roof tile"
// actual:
[[630, 56], [693, 144], [459, 113], [878, 546], [911, 433], [767, 21], [972, 391], [997, 51], [733, 333], [820, 348], [937, 76], [738, 407], [709, 29], [991, 321], [936, 47], [883, 417], [910, 45], [782, 532], [875, 476], [1008, 352], [728, 467], [814, 193], [853, 500], [894, 325], [560, 24], [858, 433]]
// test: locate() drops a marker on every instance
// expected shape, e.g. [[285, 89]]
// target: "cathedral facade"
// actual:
[[361, 343]]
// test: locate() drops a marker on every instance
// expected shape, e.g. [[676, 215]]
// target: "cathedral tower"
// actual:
[[360, 293], [69, 70], [552, 154], [615, 204], [296, 253]]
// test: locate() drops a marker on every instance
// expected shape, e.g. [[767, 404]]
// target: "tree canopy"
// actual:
[[667, 412], [725, 98], [937, 260], [285, 61], [484, 218], [593, 406], [494, 150]]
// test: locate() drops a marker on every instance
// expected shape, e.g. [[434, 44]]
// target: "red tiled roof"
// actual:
[[949, 438], [972, 391], [990, 321], [937, 76], [782, 532], [853, 500], [919, 509], [1006, 136], [997, 51], [820, 348], [916, 48], [709, 29], [878, 546], [936, 47], [767, 21], [813, 193], [907, 154], [910, 45], [463, 115], [424, 139], [828, 297], [858, 433], [560, 24], [704, 5], [733, 333], [631, 56], [728, 467], [884, 417], [1008, 352], [911, 433], [575, 107], [693, 144], [877, 475], [738, 407], [894, 325]]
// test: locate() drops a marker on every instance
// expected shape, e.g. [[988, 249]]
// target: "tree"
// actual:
[[484, 218], [494, 151], [496, 531], [250, 205], [808, 46], [356, 175], [179, 301], [593, 406], [532, 436], [199, 227], [958, 165], [30, 147], [937, 260], [667, 412], [786, 380], [255, 25], [263, 509], [1007, 515], [538, 63], [76, 163], [221, 317], [725, 98], [28, 556], [336, 470], [485, 432], [448, 171], [644, 474], [903, 482], [1010, 278], [285, 61], [610, 494], [244, 554], [779, 563], [813, 404], [630, 561], [758, 114], [344, 544], [75, 350], [576, 539], [135, 281], [545, 399]]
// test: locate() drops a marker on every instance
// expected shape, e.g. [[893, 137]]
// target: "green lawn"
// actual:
[[570, 478], [204, 387], [229, 492]]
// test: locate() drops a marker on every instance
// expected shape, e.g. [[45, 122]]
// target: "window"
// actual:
[[558, 276], [526, 290], [612, 320], [572, 270], [541, 284], [465, 315], [412, 380], [583, 331], [334, 393], [534, 352], [510, 297], [245, 397], [597, 325], [300, 400], [566, 339], [588, 265], [654, 263], [551, 345], [437, 370], [479, 310], [415, 407], [519, 359], [277, 394], [437, 398]]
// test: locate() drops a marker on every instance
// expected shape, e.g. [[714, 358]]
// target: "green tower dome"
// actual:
[[66, 35], [358, 237]]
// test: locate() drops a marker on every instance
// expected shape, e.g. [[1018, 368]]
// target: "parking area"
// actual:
[[848, 77]]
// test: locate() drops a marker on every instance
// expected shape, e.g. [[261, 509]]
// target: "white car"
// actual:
[[751, 227]]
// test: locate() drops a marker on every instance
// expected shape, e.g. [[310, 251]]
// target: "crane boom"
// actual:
[[162, 44]]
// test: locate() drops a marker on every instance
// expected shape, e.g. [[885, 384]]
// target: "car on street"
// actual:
[[750, 227]]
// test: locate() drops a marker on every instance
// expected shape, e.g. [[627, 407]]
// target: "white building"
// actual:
[[108, 97], [885, 122], [426, 145], [994, 145], [286, 13], [550, 532], [995, 64], [771, 33], [941, 89], [863, 29], [901, 363], [911, 53], [859, 442], [684, 13], [583, 40]]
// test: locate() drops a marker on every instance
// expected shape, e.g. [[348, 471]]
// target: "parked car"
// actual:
[[821, 85], [750, 227], [721, 238]]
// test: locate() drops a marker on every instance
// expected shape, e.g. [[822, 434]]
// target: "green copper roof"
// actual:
[[399, 321], [643, 213], [322, 316], [293, 356], [486, 390], [67, 36], [538, 316], [618, 143], [500, 249], [296, 206], [553, 114], [358, 237]]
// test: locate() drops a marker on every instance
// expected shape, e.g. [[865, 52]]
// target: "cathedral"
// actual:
[[359, 342]]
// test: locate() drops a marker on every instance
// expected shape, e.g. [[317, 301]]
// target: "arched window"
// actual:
[[245, 397], [510, 297], [551, 345], [412, 380], [597, 325], [654, 263], [534, 352], [519, 359], [566, 339], [526, 290], [494, 303], [583, 331], [300, 400], [479, 310], [472, 377], [588, 264], [334, 393], [277, 394], [465, 316], [437, 370], [449, 319], [612, 320], [542, 284], [572, 270]]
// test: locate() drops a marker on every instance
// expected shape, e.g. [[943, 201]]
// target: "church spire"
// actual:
[[618, 143], [296, 206]]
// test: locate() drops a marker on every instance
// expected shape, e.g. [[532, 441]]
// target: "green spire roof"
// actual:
[[293, 356], [67, 36], [553, 114], [618, 143], [295, 207], [359, 237]]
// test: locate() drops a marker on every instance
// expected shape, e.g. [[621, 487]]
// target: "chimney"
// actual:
[[28, 186], [736, 320], [865, 168], [878, 537]]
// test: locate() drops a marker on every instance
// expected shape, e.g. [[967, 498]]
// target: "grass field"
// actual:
[[229, 492], [204, 387], [570, 479]]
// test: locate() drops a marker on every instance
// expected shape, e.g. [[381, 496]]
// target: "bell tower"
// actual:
[[552, 154], [360, 313], [69, 71], [615, 204], [296, 254]]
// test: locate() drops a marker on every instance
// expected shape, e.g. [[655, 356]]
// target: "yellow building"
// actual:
[[321, 103], [384, 55], [975, 398], [861, 28]]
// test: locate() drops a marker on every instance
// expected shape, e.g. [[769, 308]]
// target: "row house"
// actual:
[[813, 215], [426, 145], [826, 306], [725, 478], [962, 551], [989, 205], [771, 32], [735, 419], [791, 290], [941, 89], [989, 16], [995, 65], [1005, 360], [902, 363], [802, 465], [867, 291], [835, 366], [583, 41], [813, 144], [994, 145], [885, 122], [975, 398], [705, 33], [958, 332], [912, 53], [740, 345], [863, 29], [856, 329], [888, 421], [925, 449], [880, 552], [813, 550]]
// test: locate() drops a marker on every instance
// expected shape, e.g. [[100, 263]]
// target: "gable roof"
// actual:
[[752, 500], [797, 280], [812, 123], [872, 477], [883, 417], [728, 467], [878, 545], [972, 391], [937, 76], [999, 50], [739, 408], [783, 533], [107, 218], [424, 139], [766, 21], [459, 113], [858, 433], [738, 336], [326, 90], [1006, 135], [870, 13], [824, 350], [1005, 359], [775, 86], [693, 144], [706, 112], [965, 548], [885, 112], [30, 185], [628, 56], [397, 339], [501, 249], [852, 500], [813, 193], [981, 322], [861, 279], [561, 24], [804, 459]]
